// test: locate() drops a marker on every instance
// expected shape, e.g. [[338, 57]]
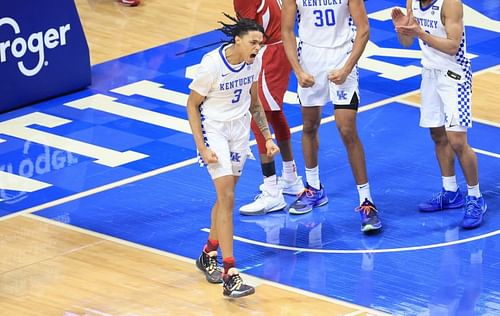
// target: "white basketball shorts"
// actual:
[[231, 143], [446, 100], [319, 61]]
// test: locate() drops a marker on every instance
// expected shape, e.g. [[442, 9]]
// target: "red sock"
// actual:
[[228, 263], [211, 245]]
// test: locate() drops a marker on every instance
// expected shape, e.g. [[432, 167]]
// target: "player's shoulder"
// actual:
[[212, 55], [211, 59]]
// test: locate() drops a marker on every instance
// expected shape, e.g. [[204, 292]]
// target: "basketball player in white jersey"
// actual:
[[333, 35], [446, 92], [224, 93]]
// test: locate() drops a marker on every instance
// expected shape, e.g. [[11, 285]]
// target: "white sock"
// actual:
[[271, 184], [312, 177], [289, 171], [364, 192], [474, 191], [450, 184]]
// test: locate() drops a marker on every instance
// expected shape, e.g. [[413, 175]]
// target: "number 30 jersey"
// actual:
[[226, 87], [325, 23]]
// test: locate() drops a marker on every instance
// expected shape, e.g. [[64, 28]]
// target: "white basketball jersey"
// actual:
[[225, 86], [429, 19], [325, 23]]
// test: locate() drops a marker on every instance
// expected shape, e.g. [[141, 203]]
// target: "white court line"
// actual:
[[486, 153], [103, 188], [171, 167], [195, 160], [252, 279], [356, 251]]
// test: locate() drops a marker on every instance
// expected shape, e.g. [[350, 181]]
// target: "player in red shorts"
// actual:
[[273, 83]]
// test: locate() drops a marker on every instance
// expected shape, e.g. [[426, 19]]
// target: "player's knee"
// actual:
[[439, 137], [310, 126], [280, 125], [348, 134], [458, 144], [226, 198]]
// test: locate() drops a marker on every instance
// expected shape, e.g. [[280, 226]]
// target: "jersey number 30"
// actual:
[[323, 18]]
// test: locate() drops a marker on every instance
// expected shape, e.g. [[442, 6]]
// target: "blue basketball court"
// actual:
[[118, 159]]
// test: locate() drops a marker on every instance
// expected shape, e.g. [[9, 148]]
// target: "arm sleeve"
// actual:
[[246, 8], [204, 79]]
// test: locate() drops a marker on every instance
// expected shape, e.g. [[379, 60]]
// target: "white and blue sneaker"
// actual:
[[474, 211], [442, 201]]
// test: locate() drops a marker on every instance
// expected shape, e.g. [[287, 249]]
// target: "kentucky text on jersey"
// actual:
[[236, 83], [427, 23], [317, 3]]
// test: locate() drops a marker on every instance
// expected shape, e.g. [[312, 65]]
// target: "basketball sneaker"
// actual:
[[207, 263], [233, 285], [289, 187], [308, 199], [130, 3], [369, 217], [264, 203], [474, 211], [442, 201]]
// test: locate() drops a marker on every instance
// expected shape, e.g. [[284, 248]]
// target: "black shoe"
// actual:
[[234, 287], [207, 262]]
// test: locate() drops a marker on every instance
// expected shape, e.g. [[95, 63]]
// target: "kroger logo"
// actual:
[[35, 43]]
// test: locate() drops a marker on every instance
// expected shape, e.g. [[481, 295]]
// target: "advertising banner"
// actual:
[[43, 51]]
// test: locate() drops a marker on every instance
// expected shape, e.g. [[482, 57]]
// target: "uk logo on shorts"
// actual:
[[341, 95], [236, 157]]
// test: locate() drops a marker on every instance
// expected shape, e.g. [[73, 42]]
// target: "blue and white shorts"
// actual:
[[319, 62], [446, 99], [230, 140]]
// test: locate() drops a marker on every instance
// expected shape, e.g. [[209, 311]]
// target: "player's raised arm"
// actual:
[[452, 18], [400, 19]]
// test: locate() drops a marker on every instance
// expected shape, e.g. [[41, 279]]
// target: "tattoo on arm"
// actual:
[[260, 119]]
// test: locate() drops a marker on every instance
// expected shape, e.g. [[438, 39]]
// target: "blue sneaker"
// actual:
[[442, 201], [369, 217], [308, 199], [474, 211]]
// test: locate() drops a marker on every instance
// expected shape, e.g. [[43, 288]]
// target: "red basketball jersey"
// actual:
[[266, 12]]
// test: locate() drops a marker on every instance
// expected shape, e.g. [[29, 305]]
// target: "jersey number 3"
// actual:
[[323, 18], [237, 95]]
